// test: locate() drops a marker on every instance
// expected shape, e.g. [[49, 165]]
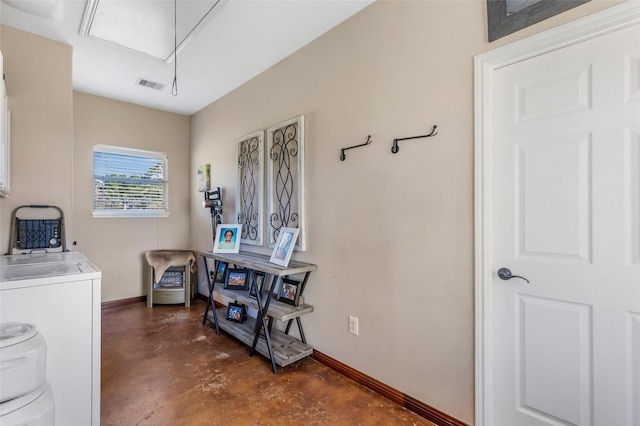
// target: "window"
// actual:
[[129, 182]]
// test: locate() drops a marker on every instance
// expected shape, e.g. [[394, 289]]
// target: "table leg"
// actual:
[[261, 320]]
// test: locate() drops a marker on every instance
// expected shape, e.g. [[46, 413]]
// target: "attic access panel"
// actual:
[[145, 26]]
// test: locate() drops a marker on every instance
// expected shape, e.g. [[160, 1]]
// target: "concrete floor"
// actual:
[[160, 366]]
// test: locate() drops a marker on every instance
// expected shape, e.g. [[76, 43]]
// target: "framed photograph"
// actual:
[[260, 277], [227, 238], [284, 246], [508, 16], [289, 292], [237, 279], [236, 312], [220, 274]]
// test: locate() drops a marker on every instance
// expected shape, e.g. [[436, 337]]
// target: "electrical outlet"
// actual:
[[353, 325]]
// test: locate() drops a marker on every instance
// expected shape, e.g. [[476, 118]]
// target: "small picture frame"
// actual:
[[289, 292], [236, 312], [259, 277], [220, 274], [236, 279], [227, 238], [284, 246]]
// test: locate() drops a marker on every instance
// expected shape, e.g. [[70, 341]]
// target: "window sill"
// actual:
[[128, 214]]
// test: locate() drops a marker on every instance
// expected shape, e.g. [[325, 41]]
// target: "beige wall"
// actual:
[[38, 80], [53, 131], [117, 246], [392, 234]]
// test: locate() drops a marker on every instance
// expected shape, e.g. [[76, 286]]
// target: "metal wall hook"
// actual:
[[395, 148], [343, 157]]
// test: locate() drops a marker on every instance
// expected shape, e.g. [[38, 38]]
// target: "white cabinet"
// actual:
[[5, 138]]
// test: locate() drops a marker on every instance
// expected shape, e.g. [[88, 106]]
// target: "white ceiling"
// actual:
[[236, 41]]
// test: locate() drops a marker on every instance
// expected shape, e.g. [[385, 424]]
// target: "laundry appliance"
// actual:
[[50, 300]]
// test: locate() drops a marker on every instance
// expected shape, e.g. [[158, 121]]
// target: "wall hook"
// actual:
[[395, 148], [343, 157]]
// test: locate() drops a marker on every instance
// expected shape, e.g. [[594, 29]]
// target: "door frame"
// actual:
[[609, 20]]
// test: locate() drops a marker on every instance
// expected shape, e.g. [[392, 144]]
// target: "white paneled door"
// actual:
[[564, 347]]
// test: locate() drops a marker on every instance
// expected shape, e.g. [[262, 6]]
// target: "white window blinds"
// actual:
[[129, 182]]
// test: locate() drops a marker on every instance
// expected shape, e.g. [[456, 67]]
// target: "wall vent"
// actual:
[[150, 84]]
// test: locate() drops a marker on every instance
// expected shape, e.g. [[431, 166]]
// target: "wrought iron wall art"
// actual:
[[395, 148], [250, 193], [285, 179], [344, 157]]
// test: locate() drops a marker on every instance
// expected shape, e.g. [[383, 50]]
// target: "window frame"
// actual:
[[130, 213]]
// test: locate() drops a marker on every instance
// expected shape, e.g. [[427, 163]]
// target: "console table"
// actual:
[[259, 334]]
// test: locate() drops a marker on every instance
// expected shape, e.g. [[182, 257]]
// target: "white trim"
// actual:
[[610, 20], [111, 214]]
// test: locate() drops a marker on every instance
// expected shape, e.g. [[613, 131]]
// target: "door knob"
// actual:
[[505, 274]]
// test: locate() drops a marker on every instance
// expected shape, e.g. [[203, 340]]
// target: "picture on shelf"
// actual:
[[220, 273], [259, 277], [289, 292], [227, 239], [236, 279], [284, 246], [236, 312]]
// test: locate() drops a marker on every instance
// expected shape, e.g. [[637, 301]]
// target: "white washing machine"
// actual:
[[59, 295], [25, 398]]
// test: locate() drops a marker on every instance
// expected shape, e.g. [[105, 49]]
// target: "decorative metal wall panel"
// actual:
[[250, 193], [285, 179]]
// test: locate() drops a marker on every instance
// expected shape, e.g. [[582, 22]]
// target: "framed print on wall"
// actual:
[[250, 184], [227, 238], [204, 177], [508, 16], [285, 180]]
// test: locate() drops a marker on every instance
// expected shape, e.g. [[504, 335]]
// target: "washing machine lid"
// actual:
[[38, 267], [14, 333]]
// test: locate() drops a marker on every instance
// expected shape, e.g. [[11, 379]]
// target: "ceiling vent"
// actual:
[[150, 84]]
